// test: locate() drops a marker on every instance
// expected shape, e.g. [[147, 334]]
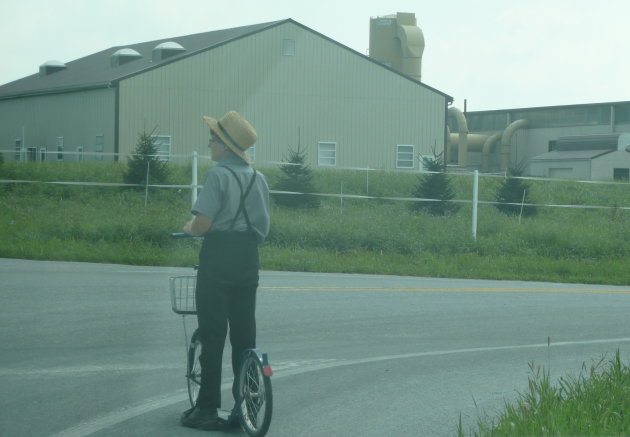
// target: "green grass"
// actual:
[[595, 403], [111, 224]]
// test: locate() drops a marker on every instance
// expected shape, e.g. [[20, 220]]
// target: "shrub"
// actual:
[[435, 185], [297, 177], [513, 193], [145, 160]]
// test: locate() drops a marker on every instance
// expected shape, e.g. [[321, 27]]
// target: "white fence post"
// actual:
[[146, 186], [475, 200], [193, 183], [341, 198]]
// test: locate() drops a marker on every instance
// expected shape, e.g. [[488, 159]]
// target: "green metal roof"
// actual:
[[569, 155], [96, 71]]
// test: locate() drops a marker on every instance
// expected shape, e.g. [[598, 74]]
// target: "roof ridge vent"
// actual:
[[50, 67], [166, 50], [124, 56]]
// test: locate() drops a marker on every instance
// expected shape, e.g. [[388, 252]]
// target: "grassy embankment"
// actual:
[[109, 224]]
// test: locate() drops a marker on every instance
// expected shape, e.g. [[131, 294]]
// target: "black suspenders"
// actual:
[[241, 206]]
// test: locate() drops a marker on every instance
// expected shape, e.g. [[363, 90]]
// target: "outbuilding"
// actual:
[[585, 157], [298, 87]]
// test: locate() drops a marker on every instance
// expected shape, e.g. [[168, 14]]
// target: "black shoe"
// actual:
[[201, 418]]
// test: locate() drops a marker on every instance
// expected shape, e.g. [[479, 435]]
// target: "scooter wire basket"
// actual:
[[183, 294]]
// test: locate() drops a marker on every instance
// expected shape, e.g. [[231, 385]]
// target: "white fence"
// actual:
[[474, 201]]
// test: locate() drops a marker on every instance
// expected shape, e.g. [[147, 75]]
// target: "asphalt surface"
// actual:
[[94, 349]]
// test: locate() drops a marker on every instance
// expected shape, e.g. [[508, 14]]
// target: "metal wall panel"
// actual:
[[78, 117], [324, 92], [602, 167]]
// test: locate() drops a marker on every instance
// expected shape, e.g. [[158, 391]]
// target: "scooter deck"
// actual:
[[228, 418]]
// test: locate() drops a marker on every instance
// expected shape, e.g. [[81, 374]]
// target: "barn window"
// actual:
[[59, 144], [98, 146], [404, 156], [251, 152], [31, 154], [18, 150], [327, 154], [162, 144], [288, 47]]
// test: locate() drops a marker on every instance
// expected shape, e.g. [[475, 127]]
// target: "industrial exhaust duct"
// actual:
[[397, 42], [480, 142]]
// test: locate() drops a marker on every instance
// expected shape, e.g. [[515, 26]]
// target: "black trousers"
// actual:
[[226, 302]]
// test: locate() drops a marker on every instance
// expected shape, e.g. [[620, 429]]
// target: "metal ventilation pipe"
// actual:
[[412, 45], [486, 152], [462, 125], [397, 41], [506, 138]]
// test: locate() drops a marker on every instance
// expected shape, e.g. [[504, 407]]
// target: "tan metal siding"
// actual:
[[323, 93], [77, 117]]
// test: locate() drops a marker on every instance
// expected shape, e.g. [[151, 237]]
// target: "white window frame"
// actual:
[[251, 152], [163, 145], [80, 154], [18, 149], [288, 47], [59, 144], [31, 154], [99, 144], [406, 156], [327, 153], [42, 154]]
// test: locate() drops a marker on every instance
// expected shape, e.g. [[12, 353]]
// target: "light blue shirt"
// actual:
[[220, 198]]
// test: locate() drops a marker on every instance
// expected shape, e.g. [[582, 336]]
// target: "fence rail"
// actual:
[[333, 195], [194, 187]]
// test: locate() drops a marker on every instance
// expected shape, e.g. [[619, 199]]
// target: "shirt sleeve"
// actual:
[[210, 197]]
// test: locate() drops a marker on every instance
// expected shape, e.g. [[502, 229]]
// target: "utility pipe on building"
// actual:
[[462, 125], [506, 139], [486, 151]]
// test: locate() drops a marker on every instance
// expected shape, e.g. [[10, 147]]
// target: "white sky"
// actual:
[[496, 54]]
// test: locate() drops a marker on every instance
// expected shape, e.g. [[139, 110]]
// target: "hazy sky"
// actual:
[[496, 54]]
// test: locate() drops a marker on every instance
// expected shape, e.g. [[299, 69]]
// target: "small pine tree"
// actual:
[[296, 177], [435, 185], [516, 191], [145, 156]]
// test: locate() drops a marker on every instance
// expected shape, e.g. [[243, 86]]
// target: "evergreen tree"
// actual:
[[434, 185], [297, 177], [145, 156], [517, 191]]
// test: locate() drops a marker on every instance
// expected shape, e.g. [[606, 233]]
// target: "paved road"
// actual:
[[94, 350]]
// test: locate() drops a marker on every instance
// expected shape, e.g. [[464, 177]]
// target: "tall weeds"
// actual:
[[594, 403]]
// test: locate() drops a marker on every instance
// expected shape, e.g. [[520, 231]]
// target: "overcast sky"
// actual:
[[496, 54]]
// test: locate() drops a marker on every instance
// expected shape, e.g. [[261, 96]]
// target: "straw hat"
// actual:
[[235, 132]]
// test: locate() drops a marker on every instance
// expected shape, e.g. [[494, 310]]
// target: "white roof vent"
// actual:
[[50, 67], [166, 50], [124, 56]]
